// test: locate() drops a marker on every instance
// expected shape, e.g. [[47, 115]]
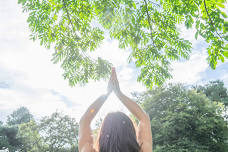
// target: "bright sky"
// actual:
[[28, 77]]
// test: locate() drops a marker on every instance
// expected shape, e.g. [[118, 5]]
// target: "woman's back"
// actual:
[[117, 132]]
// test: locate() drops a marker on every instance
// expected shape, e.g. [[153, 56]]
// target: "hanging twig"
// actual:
[[73, 29], [68, 16], [149, 19], [212, 24], [154, 3]]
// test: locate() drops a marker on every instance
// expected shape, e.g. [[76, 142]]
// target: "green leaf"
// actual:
[[225, 53], [220, 5], [221, 58], [224, 14], [196, 35], [134, 5], [226, 37], [197, 24], [21, 2]]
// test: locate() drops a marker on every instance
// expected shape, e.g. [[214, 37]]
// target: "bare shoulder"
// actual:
[[144, 134]]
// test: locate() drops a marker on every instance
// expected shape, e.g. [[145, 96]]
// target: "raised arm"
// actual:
[[144, 129], [92, 110], [85, 134], [132, 106]]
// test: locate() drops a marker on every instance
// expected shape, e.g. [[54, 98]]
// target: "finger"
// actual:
[[110, 79], [113, 83], [114, 73]]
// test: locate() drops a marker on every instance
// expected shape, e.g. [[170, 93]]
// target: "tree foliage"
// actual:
[[19, 116], [215, 91], [8, 138], [59, 132], [183, 120], [149, 28], [30, 137], [9, 134], [55, 133]]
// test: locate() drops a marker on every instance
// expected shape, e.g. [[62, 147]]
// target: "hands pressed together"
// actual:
[[113, 84]]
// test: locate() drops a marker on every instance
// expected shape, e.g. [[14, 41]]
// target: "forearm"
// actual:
[[93, 109], [133, 107]]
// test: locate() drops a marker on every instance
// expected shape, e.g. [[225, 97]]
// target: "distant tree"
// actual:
[[9, 139], [148, 27], [183, 120], [96, 130], [30, 137], [19, 116], [215, 91], [59, 132], [98, 122]]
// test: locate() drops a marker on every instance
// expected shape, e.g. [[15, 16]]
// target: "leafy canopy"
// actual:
[[183, 120], [215, 91], [8, 138], [31, 140], [57, 132], [60, 132], [19, 116], [147, 27]]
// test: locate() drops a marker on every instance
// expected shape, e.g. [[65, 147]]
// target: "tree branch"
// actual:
[[149, 19], [73, 29], [154, 3], [212, 24], [68, 16]]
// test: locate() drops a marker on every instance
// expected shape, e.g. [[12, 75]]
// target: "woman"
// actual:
[[117, 133]]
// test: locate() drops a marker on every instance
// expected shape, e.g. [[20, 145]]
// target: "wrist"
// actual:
[[103, 97], [119, 94], [108, 93]]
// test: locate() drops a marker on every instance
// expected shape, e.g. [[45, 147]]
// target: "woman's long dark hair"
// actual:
[[118, 134]]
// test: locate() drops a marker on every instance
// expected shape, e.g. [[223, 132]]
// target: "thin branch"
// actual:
[[149, 19], [68, 16], [24, 147], [154, 3], [211, 20], [73, 29]]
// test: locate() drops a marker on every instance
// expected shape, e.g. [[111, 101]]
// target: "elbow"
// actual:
[[84, 121], [145, 118]]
